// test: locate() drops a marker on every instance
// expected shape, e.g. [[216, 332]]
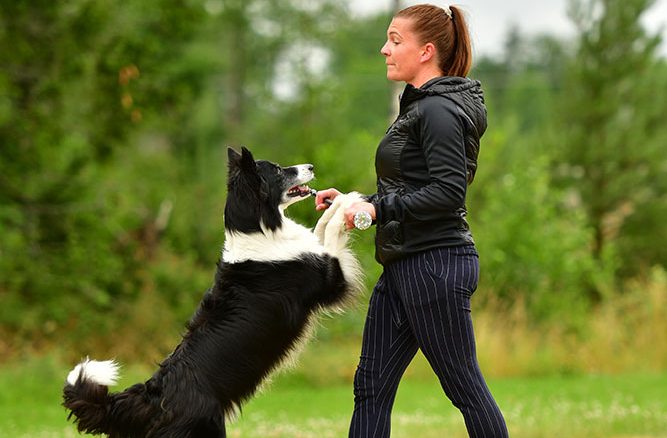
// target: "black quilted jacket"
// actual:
[[424, 164]]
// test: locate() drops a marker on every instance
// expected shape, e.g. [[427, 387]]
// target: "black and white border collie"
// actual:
[[274, 277]]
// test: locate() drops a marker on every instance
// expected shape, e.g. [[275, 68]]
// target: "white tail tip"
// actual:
[[101, 372]]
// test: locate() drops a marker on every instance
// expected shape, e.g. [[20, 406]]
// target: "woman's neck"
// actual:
[[423, 77]]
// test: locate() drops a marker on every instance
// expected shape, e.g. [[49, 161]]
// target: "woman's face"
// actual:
[[402, 51]]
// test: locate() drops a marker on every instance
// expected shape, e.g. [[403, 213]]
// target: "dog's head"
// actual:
[[257, 191]]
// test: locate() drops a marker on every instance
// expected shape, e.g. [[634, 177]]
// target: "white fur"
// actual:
[[305, 173], [293, 240], [286, 243], [101, 372], [331, 231]]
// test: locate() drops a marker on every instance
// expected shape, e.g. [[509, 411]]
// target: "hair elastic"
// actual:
[[448, 11]]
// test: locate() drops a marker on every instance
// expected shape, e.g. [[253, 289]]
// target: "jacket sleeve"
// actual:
[[371, 198], [440, 130]]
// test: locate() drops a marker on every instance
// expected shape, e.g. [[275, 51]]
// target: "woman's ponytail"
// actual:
[[461, 56]]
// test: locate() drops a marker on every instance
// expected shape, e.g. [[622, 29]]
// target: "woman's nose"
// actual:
[[385, 49]]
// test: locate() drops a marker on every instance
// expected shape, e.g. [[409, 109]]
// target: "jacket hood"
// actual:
[[466, 93]]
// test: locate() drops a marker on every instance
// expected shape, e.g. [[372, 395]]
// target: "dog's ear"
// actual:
[[243, 162], [233, 157], [247, 160]]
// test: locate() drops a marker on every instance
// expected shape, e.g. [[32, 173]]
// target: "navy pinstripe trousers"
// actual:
[[423, 302]]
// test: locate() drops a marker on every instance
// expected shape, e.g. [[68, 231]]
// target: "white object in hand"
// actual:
[[362, 220]]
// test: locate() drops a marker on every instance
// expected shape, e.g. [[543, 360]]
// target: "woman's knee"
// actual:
[[364, 382]]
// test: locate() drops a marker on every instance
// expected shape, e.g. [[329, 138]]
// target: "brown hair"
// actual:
[[449, 35]]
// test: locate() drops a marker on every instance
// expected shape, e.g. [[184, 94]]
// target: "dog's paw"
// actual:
[[322, 224], [330, 229], [343, 202], [335, 232]]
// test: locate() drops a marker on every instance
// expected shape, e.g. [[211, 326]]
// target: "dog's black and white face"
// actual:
[[257, 191], [287, 183]]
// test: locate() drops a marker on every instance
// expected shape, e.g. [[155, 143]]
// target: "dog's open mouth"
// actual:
[[301, 191]]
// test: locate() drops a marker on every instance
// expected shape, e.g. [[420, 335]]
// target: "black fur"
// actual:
[[254, 191], [246, 324]]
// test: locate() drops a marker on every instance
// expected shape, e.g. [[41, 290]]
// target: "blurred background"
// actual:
[[114, 123]]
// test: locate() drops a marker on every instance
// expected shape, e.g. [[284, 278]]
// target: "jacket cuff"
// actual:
[[373, 199]]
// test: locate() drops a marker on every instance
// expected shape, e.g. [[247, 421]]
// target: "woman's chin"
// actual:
[[392, 76]]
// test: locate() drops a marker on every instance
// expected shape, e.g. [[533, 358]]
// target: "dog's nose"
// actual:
[[310, 167]]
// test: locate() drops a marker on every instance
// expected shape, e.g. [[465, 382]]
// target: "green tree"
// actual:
[[522, 84], [77, 79], [111, 116], [612, 129]]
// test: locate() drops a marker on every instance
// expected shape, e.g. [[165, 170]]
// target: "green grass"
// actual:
[[571, 406]]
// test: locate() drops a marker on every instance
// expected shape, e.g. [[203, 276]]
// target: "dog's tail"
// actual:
[[96, 411]]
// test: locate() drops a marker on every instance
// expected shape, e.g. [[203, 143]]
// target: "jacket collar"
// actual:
[[438, 85]]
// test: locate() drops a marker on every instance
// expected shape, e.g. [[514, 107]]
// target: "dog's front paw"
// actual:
[[346, 200], [323, 223], [335, 232]]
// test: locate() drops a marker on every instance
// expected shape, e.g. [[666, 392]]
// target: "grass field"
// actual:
[[573, 406]]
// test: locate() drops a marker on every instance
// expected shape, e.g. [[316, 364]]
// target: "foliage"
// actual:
[[612, 126], [532, 244], [79, 78], [114, 120]]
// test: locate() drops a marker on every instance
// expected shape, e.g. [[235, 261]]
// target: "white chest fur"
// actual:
[[286, 243]]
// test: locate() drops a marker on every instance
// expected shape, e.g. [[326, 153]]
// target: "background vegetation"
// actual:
[[114, 119]]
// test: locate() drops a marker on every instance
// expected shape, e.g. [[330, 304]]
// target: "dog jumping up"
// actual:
[[272, 280]]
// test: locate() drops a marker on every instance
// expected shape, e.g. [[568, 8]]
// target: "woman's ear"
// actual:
[[427, 52]]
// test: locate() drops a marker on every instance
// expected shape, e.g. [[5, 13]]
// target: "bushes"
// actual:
[[113, 131], [617, 335], [533, 241]]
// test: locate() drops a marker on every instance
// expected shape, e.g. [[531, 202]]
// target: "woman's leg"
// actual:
[[436, 287], [388, 347]]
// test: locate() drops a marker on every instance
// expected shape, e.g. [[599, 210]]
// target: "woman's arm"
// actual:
[[441, 132]]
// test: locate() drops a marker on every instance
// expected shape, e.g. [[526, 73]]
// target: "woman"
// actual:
[[424, 164]]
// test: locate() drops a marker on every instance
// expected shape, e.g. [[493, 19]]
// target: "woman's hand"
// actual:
[[322, 195], [354, 208]]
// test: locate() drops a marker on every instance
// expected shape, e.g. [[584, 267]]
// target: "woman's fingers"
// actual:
[[329, 194]]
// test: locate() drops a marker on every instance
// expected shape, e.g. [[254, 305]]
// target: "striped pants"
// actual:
[[423, 302]]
